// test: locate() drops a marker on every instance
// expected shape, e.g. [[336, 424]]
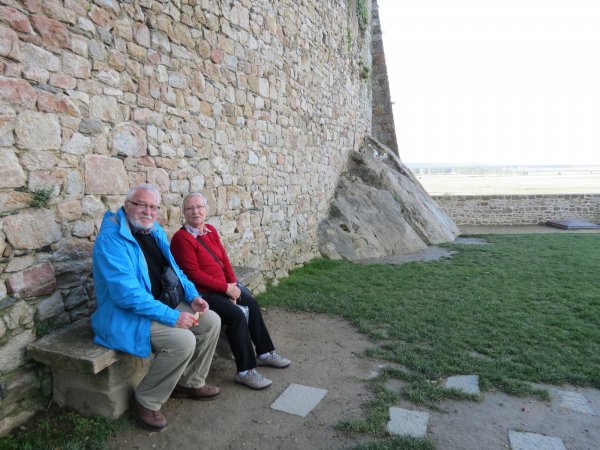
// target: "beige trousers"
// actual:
[[180, 357]]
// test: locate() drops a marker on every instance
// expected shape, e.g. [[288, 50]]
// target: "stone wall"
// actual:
[[384, 129], [256, 103], [519, 209]]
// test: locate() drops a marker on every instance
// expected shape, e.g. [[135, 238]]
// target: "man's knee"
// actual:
[[210, 322]]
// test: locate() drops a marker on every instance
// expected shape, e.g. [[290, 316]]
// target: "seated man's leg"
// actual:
[[237, 329], [173, 348], [256, 324], [206, 334]]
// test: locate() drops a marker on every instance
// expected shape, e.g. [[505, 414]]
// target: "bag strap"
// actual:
[[209, 251]]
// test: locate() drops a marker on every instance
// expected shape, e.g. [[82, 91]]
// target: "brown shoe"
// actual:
[[153, 420], [205, 392]]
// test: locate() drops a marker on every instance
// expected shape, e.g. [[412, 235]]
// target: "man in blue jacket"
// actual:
[[145, 303]]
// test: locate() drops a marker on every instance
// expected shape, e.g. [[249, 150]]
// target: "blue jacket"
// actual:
[[125, 305]]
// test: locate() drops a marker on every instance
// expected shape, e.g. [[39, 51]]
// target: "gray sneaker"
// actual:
[[253, 379], [273, 359]]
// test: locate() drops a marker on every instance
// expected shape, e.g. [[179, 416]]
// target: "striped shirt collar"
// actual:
[[195, 231]]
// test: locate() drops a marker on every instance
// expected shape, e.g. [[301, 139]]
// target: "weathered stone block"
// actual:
[[32, 229], [32, 282], [76, 66], [20, 263], [38, 131], [56, 103], [8, 119], [12, 201], [54, 33], [18, 92], [50, 307], [106, 109], [9, 43], [37, 56], [16, 19], [78, 145], [105, 175], [11, 172], [129, 140], [13, 352], [20, 314], [89, 378]]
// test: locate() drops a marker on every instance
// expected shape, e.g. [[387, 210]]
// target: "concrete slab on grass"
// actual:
[[468, 384], [404, 422], [298, 399], [533, 441], [573, 401]]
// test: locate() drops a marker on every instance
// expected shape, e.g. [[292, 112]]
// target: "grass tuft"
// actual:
[[55, 429]]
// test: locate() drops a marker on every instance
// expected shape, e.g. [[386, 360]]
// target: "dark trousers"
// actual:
[[241, 335]]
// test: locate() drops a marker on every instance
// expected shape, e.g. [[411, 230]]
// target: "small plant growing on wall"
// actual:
[[362, 12], [365, 71], [41, 197]]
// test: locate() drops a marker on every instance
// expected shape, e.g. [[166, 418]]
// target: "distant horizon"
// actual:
[[460, 164]]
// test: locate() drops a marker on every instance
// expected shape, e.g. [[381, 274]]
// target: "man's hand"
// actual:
[[233, 292], [199, 305], [185, 320]]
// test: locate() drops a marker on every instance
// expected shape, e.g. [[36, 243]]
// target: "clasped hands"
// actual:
[[233, 292], [186, 319]]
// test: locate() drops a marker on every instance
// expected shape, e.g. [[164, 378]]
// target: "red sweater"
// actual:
[[198, 264]]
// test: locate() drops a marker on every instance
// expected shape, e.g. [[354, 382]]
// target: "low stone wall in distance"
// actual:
[[519, 209]]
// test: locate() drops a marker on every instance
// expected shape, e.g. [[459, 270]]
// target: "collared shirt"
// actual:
[[195, 231]]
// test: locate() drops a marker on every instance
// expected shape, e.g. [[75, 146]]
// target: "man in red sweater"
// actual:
[[198, 251]]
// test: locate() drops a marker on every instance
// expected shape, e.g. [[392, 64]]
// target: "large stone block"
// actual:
[[18, 92], [38, 131], [129, 140], [50, 307], [32, 282], [105, 175], [13, 352], [32, 229], [20, 314], [16, 19], [8, 119], [9, 43], [12, 201], [11, 172], [54, 33], [37, 56], [106, 109], [89, 378]]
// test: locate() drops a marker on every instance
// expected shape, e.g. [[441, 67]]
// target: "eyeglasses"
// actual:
[[195, 208], [152, 208]]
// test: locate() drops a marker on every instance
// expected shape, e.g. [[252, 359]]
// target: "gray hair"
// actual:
[[195, 194], [144, 187]]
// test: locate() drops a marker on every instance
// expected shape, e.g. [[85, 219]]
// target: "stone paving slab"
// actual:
[[465, 383], [298, 399], [532, 441], [404, 422], [574, 401]]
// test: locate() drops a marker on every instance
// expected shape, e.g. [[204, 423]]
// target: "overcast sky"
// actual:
[[498, 82]]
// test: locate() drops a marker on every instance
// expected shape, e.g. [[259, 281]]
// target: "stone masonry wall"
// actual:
[[384, 129], [519, 209], [256, 103]]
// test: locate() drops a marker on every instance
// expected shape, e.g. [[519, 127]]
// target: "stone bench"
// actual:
[[89, 378]]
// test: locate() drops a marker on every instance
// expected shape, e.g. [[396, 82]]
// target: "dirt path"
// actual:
[[325, 353]]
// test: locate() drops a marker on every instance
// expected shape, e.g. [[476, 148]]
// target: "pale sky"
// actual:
[[497, 82]]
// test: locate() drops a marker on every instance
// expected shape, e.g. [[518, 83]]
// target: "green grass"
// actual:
[[54, 429], [522, 309]]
